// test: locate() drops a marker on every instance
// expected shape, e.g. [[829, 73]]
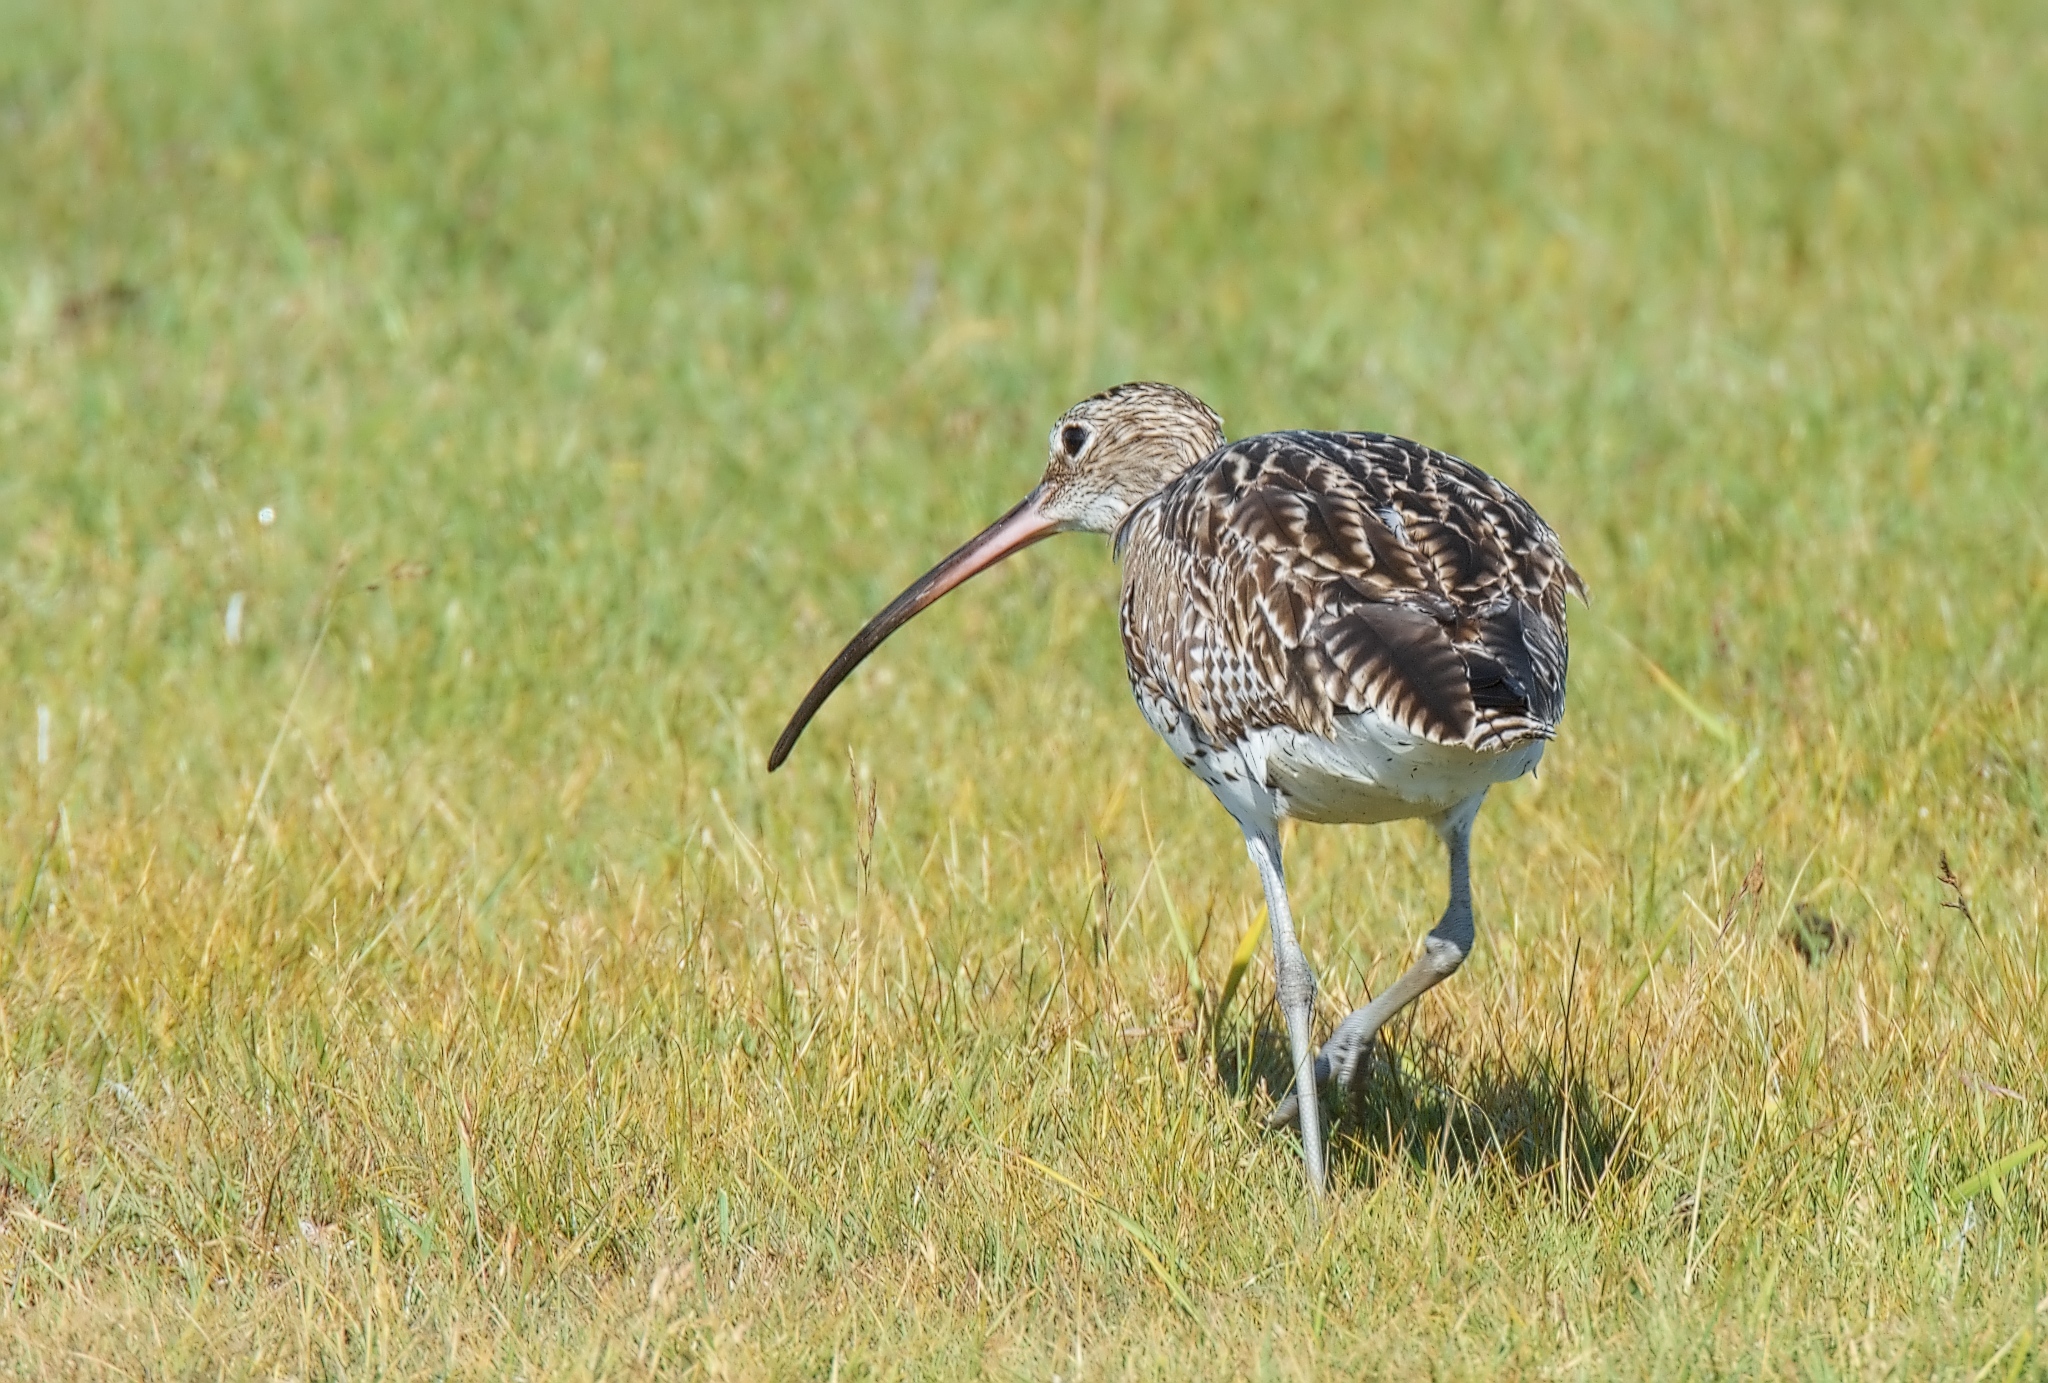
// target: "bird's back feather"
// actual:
[[1292, 578]]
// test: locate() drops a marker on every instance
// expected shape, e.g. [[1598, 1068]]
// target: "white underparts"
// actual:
[[1371, 770]]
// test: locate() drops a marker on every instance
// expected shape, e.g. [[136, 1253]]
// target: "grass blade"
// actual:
[[1240, 962], [1151, 1250], [465, 1172], [1998, 1171], [1713, 723]]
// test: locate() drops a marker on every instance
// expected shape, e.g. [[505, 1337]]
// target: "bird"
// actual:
[[1328, 627]]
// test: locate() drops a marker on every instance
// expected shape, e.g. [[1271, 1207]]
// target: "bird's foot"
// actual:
[[1341, 1062]]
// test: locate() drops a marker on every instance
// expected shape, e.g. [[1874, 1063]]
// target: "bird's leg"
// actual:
[[1443, 951], [1295, 985]]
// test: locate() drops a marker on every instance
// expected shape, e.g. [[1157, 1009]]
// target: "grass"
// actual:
[[430, 981]]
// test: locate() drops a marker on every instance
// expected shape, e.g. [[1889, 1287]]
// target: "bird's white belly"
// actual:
[[1371, 770]]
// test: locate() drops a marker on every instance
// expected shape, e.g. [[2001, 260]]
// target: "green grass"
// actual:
[[433, 982]]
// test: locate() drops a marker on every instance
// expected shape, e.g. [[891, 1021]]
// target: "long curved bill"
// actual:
[[1013, 532]]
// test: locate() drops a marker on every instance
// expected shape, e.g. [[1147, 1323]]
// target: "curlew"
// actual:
[[1323, 626]]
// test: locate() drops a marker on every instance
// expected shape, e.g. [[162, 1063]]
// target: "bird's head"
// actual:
[[1109, 454], [1112, 452]]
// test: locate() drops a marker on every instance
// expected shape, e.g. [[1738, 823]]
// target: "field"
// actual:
[[439, 444]]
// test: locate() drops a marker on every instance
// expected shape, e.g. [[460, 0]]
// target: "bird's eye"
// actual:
[[1073, 437]]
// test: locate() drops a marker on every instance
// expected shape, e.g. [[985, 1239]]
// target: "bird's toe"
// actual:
[[1285, 1114], [1348, 1059], [1342, 1064]]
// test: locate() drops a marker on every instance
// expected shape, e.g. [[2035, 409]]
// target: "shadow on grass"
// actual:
[[1540, 1118]]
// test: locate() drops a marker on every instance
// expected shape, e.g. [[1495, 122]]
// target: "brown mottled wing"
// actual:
[[1299, 576]]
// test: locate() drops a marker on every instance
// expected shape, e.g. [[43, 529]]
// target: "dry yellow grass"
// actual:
[[430, 982]]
